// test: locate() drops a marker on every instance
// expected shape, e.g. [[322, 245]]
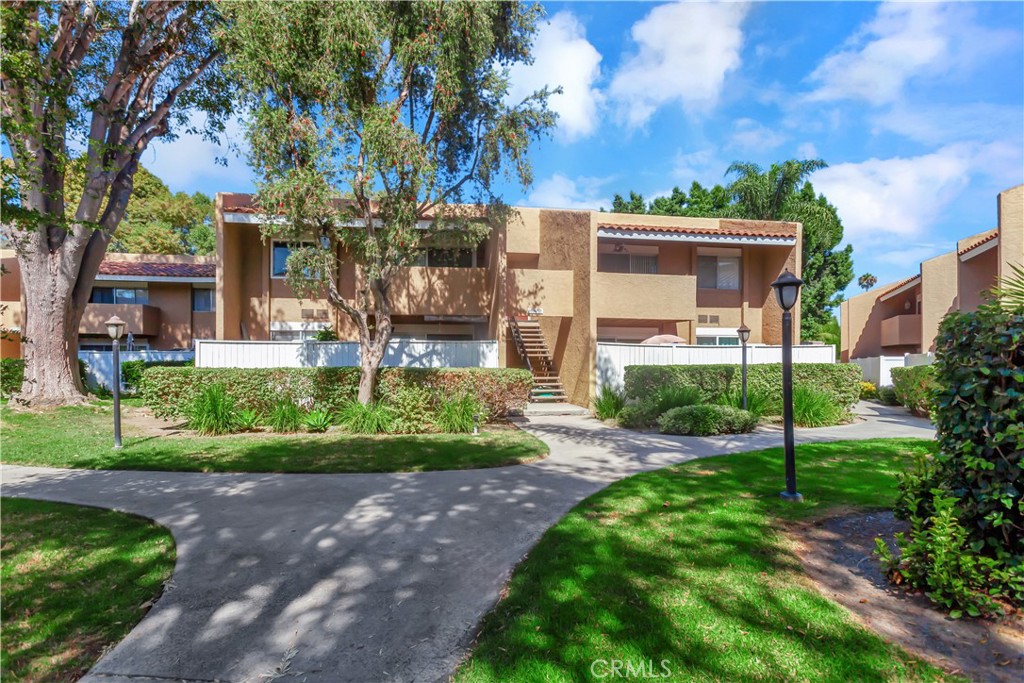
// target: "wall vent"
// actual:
[[702, 319], [713, 320]]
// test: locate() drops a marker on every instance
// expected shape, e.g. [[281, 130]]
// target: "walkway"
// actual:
[[361, 577]]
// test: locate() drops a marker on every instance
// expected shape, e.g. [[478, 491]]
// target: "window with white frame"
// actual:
[[718, 268], [712, 336]]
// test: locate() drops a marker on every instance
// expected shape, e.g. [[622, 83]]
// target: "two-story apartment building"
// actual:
[[584, 276], [166, 301], [903, 317]]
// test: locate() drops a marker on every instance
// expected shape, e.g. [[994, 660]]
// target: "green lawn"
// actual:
[[82, 436], [75, 581], [690, 565]]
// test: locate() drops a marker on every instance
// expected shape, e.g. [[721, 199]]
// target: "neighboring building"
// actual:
[[584, 276], [166, 301], [903, 317]]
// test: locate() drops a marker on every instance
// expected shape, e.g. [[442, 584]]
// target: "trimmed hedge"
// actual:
[[707, 420], [131, 370], [840, 380], [12, 373], [168, 391], [915, 388]]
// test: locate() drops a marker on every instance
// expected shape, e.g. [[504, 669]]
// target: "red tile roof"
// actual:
[[157, 269], [987, 238], [899, 284], [731, 228]]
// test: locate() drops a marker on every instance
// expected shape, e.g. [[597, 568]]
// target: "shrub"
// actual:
[[326, 334], [414, 408], [968, 499], [759, 402], [317, 421], [132, 370], [456, 416], [887, 395], [638, 416], [285, 417], [915, 388], [213, 412], [168, 390], [12, 373], [609, 403], [868, 391], [706, 420], [248, 420], [840, 380], [671, 397], [814, 408], [373, 418]]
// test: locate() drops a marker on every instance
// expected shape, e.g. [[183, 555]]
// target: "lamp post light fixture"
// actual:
[[787, 291], [744, 334], [115, 328]]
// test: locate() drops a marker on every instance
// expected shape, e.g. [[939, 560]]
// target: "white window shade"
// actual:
[[728, 272]]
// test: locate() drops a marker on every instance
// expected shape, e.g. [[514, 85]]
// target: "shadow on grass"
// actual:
[[687, 566], [75, 581]]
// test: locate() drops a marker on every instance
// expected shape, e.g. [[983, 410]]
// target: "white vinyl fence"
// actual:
[[612, 359], [99, 370], [406, 353], [878, 369]]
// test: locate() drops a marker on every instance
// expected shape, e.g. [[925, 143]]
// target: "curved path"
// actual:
[[362, 577]]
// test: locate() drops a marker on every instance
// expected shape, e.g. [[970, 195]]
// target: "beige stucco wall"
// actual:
[[939, 286], [976, 276], [861, 318], [174, 299], [1011, 230], [10, 303]]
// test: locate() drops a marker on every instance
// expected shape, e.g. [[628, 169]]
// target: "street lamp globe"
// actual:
[[115, 327], [787, 289], [744, 333]]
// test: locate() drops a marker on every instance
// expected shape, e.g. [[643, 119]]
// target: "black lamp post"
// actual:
[[787, 291], [115, 328], [744, 333]]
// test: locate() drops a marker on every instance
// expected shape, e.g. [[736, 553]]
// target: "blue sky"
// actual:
[[917, 107]]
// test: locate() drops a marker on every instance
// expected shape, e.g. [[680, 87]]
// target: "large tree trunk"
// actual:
[[49, 333], [371, 356]]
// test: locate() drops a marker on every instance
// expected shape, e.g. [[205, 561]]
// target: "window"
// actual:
[[119, 295], [435, 257], [279, 252], [203, 300], [628, 263], [718, 270]]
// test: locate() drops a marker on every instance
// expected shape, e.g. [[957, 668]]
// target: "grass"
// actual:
[[690, 565], [80, 436], [75, 581]]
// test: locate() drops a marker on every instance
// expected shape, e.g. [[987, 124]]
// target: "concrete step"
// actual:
[[551, 409]]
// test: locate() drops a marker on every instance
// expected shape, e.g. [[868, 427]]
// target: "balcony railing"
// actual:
[[139, 319], [902, 330], [644, 297]]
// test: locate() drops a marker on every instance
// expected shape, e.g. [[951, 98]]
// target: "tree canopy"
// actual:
[[399, 107], [780, 193]]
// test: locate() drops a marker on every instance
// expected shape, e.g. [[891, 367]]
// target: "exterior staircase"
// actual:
[[529, 341]]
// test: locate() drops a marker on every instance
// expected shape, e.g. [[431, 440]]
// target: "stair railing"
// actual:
[[517, 338]]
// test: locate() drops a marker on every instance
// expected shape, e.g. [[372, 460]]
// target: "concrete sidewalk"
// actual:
[[362, 577]]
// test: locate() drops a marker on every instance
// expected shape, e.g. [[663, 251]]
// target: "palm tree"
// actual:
[[782, 193], [867, 281]]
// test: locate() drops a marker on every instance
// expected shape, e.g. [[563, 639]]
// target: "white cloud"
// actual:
[[563, 57], [750, 135], [944, 123], [189, 162], [684, 53], [905, 41], [880, 200], [807, 150], [561, 192]]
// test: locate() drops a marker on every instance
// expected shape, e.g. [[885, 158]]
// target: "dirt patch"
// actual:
[[140, 421], [838, 554]]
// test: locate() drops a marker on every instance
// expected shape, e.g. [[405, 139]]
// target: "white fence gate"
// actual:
[[878, 369], [612, 359], [406, 353], [99, 371]]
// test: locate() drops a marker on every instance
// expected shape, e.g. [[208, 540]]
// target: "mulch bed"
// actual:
[[838, 555]]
